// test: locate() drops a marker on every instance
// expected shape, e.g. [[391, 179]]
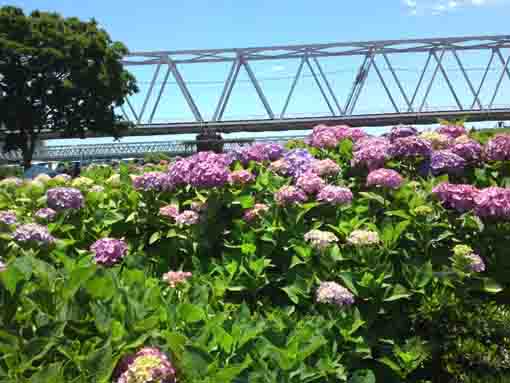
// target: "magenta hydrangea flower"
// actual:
[[46, 214], [255, 212], [385, 178], [109, 251], [345, 132], [335, 195], [452, 131], [288, 195], [498, 148], [330, 136], [149, 365], [260, 152], [324, 139], [8, 217], [153, 181], [62, 198], [325, 168], [33, 233], [241, 177], [299, 161], [310, 183], [174, 278], [209, 174], [334, 294], [371, 153], [402, 131], [187, 217], [179, 172], [169, 211], [445, 161], [458, 197], [409, 147], [493, 202], [470, 150]]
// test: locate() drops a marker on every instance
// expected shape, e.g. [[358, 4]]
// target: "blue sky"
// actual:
[[170, 24]]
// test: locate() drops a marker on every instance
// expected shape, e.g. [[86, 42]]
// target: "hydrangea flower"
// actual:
[[64, 198], [493, 202], [452, 131], [8, 217], [97, 189], [410, 147], [459, 197], [385, 178], [255, 212], [288, 195], [437, 140], [335, 195], [320, 239], [402, 131], [470, 150], [363, 238], [334, 294], [11, 182], [310, 182], [198, 206], [46, 214], [323, 138], [241, 177], [169, 211], [109, 251], [32, 232], [179, 172], [187, 217], [498, 148], [149, 365], [260, 152], [209, 175], [174, 278], [371, 153], [475, 262], [82, 182], [445, 161], [43, 178], [325, 168], [62, 178], [299, 161], [280, 167], [153, 181]]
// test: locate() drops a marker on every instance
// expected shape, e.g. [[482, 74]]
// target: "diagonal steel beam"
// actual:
[[292, 87], [260, 93], [185, 92], [324, 95], [149, 92], [395, 77], [233, 69], [384, 83], [161, 90], [466, 77], [484, 77], [132, 109], [431, 80], [228, 88], [425, 67], [503, 72], [445, 75], [358, 80], [330, 89]]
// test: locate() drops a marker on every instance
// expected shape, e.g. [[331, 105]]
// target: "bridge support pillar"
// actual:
[[209, 141]]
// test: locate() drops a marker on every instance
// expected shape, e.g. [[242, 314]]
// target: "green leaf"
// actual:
[[100, 364], [246, 201], [49, 374], [77, 278], [362, 376], [101, 287], [227, 374], [305, 208], [347, 279], [154, 237], [191, 313], [373, 197], [491, 286], [10, 279], [399, 292]]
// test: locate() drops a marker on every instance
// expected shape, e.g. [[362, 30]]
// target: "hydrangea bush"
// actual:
[[330, 260]]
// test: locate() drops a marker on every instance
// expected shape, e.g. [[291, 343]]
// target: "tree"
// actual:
[[58, 74]]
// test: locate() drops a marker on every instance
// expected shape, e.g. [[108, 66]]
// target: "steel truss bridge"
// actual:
[[128, 150]]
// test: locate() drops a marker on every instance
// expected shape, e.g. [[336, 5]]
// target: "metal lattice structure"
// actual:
[[128, 150], [373, 55]]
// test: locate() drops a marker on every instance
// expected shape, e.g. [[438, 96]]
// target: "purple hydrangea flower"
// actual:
[[310, 182], [209, 175], [204, 170], [109, 251], [385, 178], [493, 202], [64, 198], [452, 131], [345, 132], [179, 172], [325, 167], [409, 147], [147, 365], [334, 294], [153, 181], [169, 211], [255, 212], [46, 214], [288, 195], [371, 153], [498, 148], [445, 161], [8, 217], [260, 152], [299, 161], [458, 197], [187, 217], [476, 263], [32, 232], [470, 150], [402, 131], [466, 253], [335, 195], [241, 177]]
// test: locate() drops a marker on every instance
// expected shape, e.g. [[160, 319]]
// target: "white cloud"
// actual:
[[438, 7], [277, 68]]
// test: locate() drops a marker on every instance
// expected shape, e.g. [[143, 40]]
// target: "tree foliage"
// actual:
[[58, 74]]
